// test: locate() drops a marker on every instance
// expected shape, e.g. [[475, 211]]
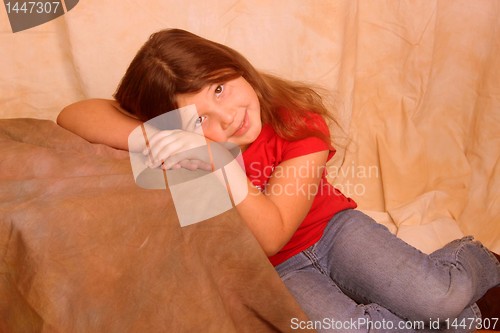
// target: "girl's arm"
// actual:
[[274, 216], [99, 121]]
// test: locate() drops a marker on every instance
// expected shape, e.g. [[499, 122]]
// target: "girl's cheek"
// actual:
[[212, 135]]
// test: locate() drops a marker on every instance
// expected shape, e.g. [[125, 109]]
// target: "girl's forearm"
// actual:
[[258, 212], [275, 214], [99, 121]]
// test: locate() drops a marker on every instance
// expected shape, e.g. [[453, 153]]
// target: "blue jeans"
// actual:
[[359, 277]]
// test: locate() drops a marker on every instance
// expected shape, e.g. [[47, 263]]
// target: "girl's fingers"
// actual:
[[161, 135], [166, 143], [195, 165], [172, 160], [170, 148], [159, 141], [164, 152], [187, 164]]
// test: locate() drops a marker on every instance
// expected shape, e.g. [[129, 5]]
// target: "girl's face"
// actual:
[[226, 112]]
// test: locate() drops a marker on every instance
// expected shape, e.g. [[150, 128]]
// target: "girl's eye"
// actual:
[[200, 121], [218, 90]]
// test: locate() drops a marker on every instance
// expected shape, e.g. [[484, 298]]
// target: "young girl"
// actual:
[[345, 270]]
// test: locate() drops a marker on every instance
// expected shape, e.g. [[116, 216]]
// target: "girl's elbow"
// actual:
[[62, 117], [272, 247], [73, 114], [74, 117], [270, 250], [66, 117]]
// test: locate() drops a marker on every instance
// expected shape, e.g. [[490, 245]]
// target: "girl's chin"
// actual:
[[250, 136], [245, 140]]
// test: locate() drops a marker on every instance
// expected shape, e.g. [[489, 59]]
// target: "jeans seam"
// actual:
[[351, 292], [470, 240], [311, 255]]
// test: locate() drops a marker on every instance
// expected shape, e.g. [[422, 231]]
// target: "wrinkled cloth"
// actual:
[[84, 249], [414, 84]]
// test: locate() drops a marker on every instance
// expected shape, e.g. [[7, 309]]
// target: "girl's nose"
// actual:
[[226, 118]]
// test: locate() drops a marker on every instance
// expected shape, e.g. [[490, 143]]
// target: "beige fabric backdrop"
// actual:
[[416, 85]]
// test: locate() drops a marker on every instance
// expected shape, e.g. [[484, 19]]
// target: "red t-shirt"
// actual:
[[268, 151]]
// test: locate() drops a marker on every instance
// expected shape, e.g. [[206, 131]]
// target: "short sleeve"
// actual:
[[310, 144], [305, 146]]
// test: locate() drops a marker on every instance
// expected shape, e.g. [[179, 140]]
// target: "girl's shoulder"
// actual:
[[274, 149]]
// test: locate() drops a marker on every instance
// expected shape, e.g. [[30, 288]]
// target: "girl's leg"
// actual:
[[371, 265], [328, 308]]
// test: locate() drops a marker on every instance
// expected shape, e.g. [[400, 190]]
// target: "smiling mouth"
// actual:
[[243, 126]]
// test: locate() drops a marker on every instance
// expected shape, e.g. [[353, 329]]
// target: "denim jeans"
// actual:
[[359, 277]]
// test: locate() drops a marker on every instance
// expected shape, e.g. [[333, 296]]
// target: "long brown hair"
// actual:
[[175, 61]]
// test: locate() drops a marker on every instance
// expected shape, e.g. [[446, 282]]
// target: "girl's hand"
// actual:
[[173, 149], [193, 165]]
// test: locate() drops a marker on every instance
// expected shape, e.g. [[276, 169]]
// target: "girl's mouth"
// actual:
[[244, 126]]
